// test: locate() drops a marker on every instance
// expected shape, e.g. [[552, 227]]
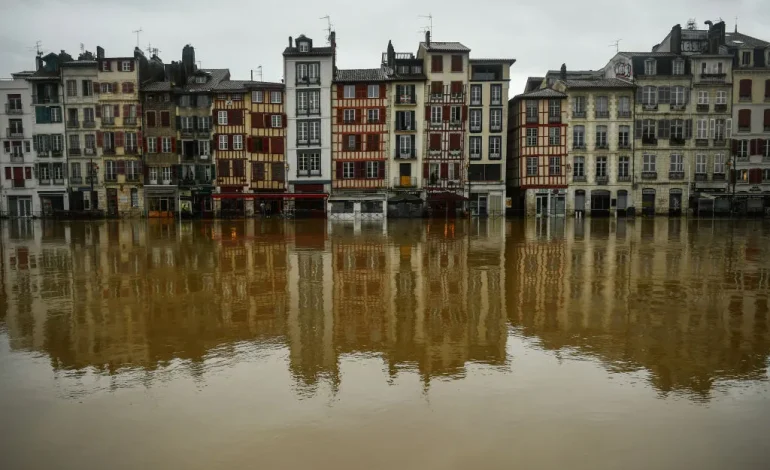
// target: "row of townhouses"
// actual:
[[132, 136], [683, 127]]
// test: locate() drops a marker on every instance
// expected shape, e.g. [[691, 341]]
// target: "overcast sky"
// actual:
[[242, 35]]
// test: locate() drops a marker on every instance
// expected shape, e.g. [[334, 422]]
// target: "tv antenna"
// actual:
[[82, 48], [38, 48], [259, 73], [429, 16], [152, 50], [137, 31], [616, 44], [328, 27]]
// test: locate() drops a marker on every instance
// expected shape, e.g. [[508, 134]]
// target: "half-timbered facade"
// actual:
[[308, 70], [119, 120], [80, 103], [161, 161], [540, 153], [406, 132], [229, 116], [266, 145], [446, 117], [359, 144]]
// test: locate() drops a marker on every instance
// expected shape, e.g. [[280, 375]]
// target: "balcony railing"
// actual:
[[89, 151], [404, 182], [580, 146], [554, 119], [650, 106], [57, 153], [602, 114], [603, 179], [89, 124], [406, 99], [130, 150], [744, 98], [701, 142], [111, 177], [195, 181], [17, 133], [702, 108], [92, 179], [701, 177], [73, 124], [602, 146], [108, 121], [578, 114], [58, 181], [624, 114], [18, 183], [37, 99], [624, 178], [649, 175], [17, 157], [718, 177], [720, 108], [676, 175], [129, 121], [132, 177], [676, 141], [713, 77], [76, 179], [16, 109], [624, 145], [44, 181], [404, 154], [677, 107], [531, 119], [579, 178]]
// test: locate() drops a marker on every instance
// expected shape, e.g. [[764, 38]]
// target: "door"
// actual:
[[25, 207], [112, 201], [580, 201], [648, 201], [405, 170], [675, 202], [542, 205], [482, 205], [622, 202], [559, 206], [47, 206]]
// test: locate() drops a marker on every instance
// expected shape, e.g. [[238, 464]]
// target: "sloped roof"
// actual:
[[360, 75], [648, 54], [157, 86], [492, 61], [598, 83], [731, 38], [542, 93], [314, 51], [231, 85], [217, 75], [436, 46]]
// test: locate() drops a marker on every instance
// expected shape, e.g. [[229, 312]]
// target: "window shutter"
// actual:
[[412, 138], [126, 110], [249, 144], [116, 110], [435, 141], [360, 90], [139, 109], [425, 170], [662, 129], [744, 118], [283, 121], [445, 113], [276, 145], [121, 167], [257, 121], [229, 141], [179, 122], [728, 128], [95, 88], [123, 87], [339, 170], [98, 111], [119, 139], [381, 170], [639, 95], [686, 95], [114, 87], [132, 66], [712, 128], [427, 113], [173, 145], [766, 119], [8, 173], [454, 141], [745, 87], [340, 92], [457, 170], [144, 144], [688, 129], [662, 98], [399, 92], [465, 113], [753, 147], [359, 113], [735, 147], [638, 129], [360, 169], [99, 138], [383, 91], [444, 170]]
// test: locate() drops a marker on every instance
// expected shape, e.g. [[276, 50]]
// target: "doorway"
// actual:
[[580, 202], [541, 205], [600, 203], [112, 201], [622, 202], [648, 201], [405, 170], [675, 202]]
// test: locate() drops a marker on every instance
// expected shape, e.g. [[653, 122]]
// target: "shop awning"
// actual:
[[404, 198], [270, 196]]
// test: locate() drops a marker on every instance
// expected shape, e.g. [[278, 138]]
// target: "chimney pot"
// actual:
[[427, 38], [291, 42]]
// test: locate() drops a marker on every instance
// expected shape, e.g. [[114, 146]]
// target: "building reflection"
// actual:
[[685, 301]]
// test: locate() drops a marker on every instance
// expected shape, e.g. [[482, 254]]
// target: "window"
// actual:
[[624, 107], [222, 142], [302, 131], [131, 141], [703, 97], [624, 136], [204, 147], [302, 102], [110, 172], [601, 137], [601, 167], [302, 75], [554, 108], [200, 79], [275, 97], [315, 131], [237, 142], [106, 87], [648, 129], [74, 142], [75, 170], [701, 129], [554, 166], [72, 88], [496, 119], [437, 63], [88, 114], [257, 96], [349, 115], [125, 66], [579, 107], [678, 67], [351, 142], [624, 165], [165, 144], [222, 118], [372, 169], [475, 147], [678, 96], [744, 89], [579, 166], [88, 88], [90, 141], [55, 114], [649, 95], [105, 66], [744, 120], [531, 166], [531, 110], [276, 121], [349, 92], [457, 63], [475, 120], [373, 115], [650, 67], [187, 123], [531, 136], [203, 123], [677, 163], [405, 145], [496, 94], [108, 140], [221, 96], [746, 58], [743, 148], [578, 137], [373, 91], [719, 129], [314, 71], [495, 147], [677, 129], [303, 47], [719, 163], [700, 164], [554, 135], [435, 114], [315, 102], [602, 107], [648, 162], [237, 97]]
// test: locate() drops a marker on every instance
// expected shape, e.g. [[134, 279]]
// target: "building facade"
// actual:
[[18, 187], [359, 144], [309, 69], [229, 116], [266, 145], [161, 154]]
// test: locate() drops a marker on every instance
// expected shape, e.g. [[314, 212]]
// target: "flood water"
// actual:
[[592, 344]]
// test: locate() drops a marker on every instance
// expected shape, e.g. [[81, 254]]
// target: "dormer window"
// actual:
[[746, 58], [403, 69], [417, 69], [303, 47], [678, 67], [650, 67], [200, 79]]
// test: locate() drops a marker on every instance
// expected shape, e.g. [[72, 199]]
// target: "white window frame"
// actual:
[[624, 136], [275, 97], [302, 73], [237, 142], [373, 112], [648, 162], [276, 121], [455, 114], [700, 164], [372, 169], [315, 163], [223, 142], [650, 67], [579, 166], [315, 131], [578, 136], [676, 163], [166, 173], [649, 95], [702, 130], [315, 101], [436, 114], [349, 92], [349, 116], [204, 123], [105, 87], [554, 135], [475, 146], [152, 145], [678, 67], [703, 97], [130, 140], [204, 147], [532, 166], [313, 71], [257, 96], [496, 119], [351, 143], [624, 166], [601, 167], [222, 118], [303, 46], [405, 145], [187, 123], [303, 131], [601, 136], [165, 143], [495, 147], [721, 97], [303, 167], [719, 163], [373, 91], [476, 94], [496, 94], [678, 96], [58, 171], [72, 91], [532, 139], [125, 66], [302, 101]]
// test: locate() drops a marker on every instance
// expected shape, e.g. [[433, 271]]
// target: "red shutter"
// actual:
[[744, 118], [229, 141], [360, 170], [95, 87], [444, 170], [99, 139], [132, 66], [249, 145], [121, 167], [265, 144], [427, 113], [382, 114], [28, 173], [150, 118], [340, 113], [465, 113], [276, 145], [283, 121], [339, 170], [119, 139], [425, 170], [383, 91], [8, 173], [126, 110], [116, 110], [454, 141], [360, 90], [381, 170], [98, 111], [258, 120], [445, 113], [340, 92], [143, 143], [745, 87], [173, 145], [435, 141]]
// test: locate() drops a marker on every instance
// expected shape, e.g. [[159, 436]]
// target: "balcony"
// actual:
[[744, 128], [129, 121], [701, 177], [37, 99], [132, 177], [720, 142], [89, 124], [713, 77], [404, 182], [58, 181], [73, 124], [553, 119], [702, 108], [602, 146], [188, 182], [89, 151], [92, 180], [602, 179], [718, 177], [44, 181], [76, 180], [580, 146], [650, 106], [677, 107], [624, 145], [578, 114], [495, 128], [720, 108], [131, 150], [18, 183], [676, 175], [108, 121], [579, 179], [649, 175], [744, 98], [676, 141], [13, 109], [404, 154], [531, 119], [110, 178], [626, 114], [602, 114], [406, 99], [17, 157], [108, 151], [57, 153], [624, 178], [17, 133]]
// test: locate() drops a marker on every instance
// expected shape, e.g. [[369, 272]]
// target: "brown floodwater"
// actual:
[[591, 344]]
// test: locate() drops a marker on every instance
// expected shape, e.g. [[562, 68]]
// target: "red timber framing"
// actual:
[[543, 150], [266, 144], [359, 137], [446, 117], [230, 138]]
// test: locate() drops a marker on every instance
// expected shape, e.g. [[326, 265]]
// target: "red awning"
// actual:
[[270, 196]]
